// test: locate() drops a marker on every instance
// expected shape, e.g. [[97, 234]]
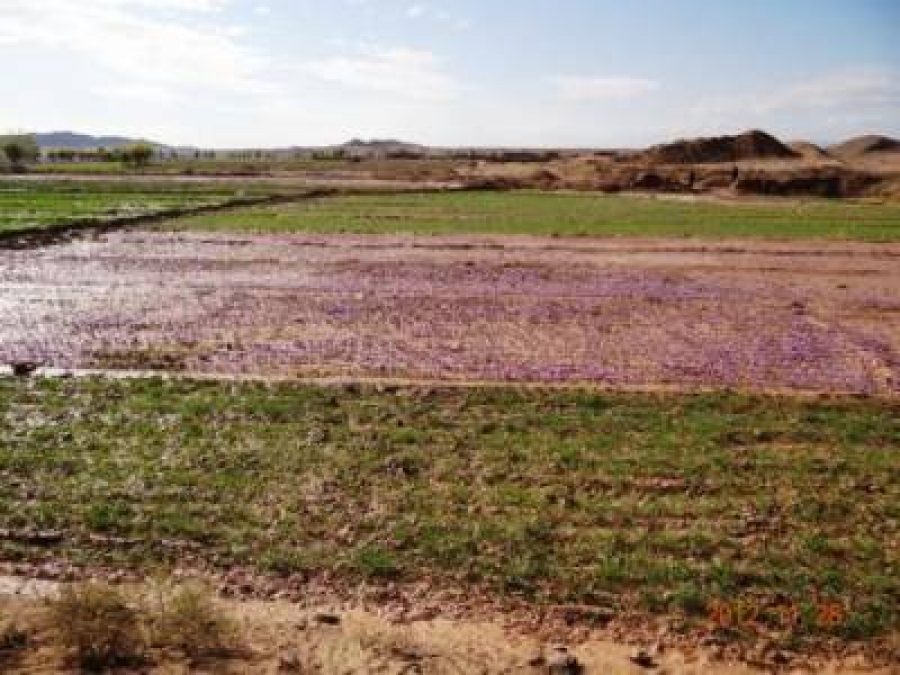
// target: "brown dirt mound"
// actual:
[[747, 146], [864, 145], [810, 151]]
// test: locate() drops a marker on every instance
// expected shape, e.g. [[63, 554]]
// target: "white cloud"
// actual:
[[405, 73], [449, 19], [420, 11], [860, 90], [127, 40], [166, 5], [583, 88], [842, 103], [854, 90], [148, 94]]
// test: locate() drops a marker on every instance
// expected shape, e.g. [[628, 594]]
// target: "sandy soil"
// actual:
[[618, 313], [333, 638]]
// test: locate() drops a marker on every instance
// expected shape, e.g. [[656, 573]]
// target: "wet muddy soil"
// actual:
[[762, 316]]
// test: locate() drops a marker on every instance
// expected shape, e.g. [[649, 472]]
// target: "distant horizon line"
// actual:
[[413, 144]]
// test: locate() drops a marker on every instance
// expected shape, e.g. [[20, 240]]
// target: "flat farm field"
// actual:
[[681, 426], [575, 214], [632, 503], [33, 205]]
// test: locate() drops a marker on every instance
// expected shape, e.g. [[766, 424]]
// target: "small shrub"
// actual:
[[108, 516], [12, 637], [188, 618], [98, 624], [376, 563], [285, 562], [691, 600]]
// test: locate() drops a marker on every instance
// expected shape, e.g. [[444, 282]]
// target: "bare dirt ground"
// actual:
[[618, 313], [331, 637]]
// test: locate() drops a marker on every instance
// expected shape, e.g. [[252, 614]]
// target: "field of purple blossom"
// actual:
[[616, 313]]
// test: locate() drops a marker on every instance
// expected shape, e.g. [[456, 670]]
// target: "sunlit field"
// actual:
[[631, 502], [565, 214]]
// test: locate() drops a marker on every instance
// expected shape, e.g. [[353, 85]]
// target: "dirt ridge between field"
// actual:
[[598, 247], [388, 384]]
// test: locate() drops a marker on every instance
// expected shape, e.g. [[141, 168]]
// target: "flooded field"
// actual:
[[671, 313]]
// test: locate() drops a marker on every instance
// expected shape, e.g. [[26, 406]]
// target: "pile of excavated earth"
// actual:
[[752, 163]]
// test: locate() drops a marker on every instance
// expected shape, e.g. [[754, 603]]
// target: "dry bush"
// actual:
[[12, 636], [103, 627], [189, 619], [98, 624]]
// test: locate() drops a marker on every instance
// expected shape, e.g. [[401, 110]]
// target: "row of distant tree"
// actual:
[[139, 154], [19, 150]]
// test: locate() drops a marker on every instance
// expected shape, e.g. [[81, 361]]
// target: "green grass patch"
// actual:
[[564, 214], [40, 204], [651, 502]]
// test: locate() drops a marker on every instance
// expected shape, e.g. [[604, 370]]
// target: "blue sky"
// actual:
[[231, 73]]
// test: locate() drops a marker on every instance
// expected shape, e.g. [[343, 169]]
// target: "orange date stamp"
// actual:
[[749, 613]]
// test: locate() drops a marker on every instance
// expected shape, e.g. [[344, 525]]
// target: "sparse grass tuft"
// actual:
[[188, 618]]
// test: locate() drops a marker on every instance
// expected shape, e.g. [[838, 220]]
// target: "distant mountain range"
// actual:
[[71, 140], [750, 145]]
